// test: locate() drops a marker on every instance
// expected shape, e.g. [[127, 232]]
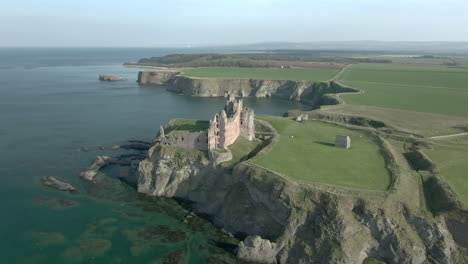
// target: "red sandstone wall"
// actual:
[[232, 131]]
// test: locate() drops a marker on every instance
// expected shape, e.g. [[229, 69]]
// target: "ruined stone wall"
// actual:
[[229, 130], [188, 140], [247, 126]]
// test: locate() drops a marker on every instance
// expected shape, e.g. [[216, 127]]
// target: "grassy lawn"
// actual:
[[306, 152], [189, 125], [240, 149], [308, 74], [423, 89], [451, 156]]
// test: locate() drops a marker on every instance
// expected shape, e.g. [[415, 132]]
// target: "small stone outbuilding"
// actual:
[[343, 142]]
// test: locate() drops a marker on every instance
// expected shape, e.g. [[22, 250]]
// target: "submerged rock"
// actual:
[[87, 247], [52, 182], [43, 239], [54, 203], [144, 239]]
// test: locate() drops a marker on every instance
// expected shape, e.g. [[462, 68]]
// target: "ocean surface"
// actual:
[[51, 105]]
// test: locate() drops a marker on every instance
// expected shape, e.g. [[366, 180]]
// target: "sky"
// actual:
[[170, 23]]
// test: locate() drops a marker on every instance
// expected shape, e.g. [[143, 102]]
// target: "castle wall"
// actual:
[[229, 130], [247, 125]]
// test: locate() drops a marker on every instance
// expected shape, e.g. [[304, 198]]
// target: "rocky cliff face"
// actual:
[[286, 222], [306, 91]]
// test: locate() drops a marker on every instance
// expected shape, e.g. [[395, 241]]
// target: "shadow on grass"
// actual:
[[325, 143]]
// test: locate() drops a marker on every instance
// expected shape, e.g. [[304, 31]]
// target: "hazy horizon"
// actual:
[[185, 23]]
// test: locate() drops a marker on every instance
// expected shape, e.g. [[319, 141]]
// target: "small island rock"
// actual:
[[110, 78]]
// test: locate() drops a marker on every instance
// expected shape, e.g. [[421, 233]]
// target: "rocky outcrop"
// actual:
[[110, 78], [161, 77], [254, 248], [54, 183], [90, 172], [305, 91], [286, 222]]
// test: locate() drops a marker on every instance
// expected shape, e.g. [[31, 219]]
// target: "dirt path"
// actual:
[[338, 75], [452, 135]]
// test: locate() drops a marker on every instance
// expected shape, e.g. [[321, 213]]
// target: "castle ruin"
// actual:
[[230, 123], [223, 130]]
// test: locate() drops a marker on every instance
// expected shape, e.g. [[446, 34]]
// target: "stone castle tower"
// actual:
[[230, 123]]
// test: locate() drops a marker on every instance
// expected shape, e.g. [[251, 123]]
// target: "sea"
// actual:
[[51, 106]]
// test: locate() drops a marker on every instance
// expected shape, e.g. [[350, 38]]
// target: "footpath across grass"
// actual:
[[306, 152], [295, 74]]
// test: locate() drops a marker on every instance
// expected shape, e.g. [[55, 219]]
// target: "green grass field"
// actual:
[[451, 156], [463, 61], [240, 149], [440, 90], [307, 74], [306, 152], [189, 125]]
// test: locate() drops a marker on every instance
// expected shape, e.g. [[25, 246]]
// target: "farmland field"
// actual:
[[440, 90], [306, 152], [451, 156], [307, 74]]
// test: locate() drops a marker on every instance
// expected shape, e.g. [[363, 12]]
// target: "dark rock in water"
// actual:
[[110, 78], [52, 182], [54, 203], [92, 148], [137, 146], [174, 257]]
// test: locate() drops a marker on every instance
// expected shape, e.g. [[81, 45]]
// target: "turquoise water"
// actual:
[[47, 114]]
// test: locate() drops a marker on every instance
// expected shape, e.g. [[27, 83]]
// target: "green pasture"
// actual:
[[451, 156], [420, 123], [307, 74], [306, 152], [424, 89]]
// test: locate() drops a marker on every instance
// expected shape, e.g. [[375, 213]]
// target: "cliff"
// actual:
[[282, 221], [305, 91]]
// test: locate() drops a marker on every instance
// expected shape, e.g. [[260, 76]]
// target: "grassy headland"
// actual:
[[296, 74], [306, 152]]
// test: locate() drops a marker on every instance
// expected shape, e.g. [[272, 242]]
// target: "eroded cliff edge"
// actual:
[[282, 221], [308, 92]]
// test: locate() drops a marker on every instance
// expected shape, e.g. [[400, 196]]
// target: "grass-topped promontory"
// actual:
[[306, 152], [295, 74]]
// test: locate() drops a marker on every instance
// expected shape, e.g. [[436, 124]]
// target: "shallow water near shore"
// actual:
[[47, 113]]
